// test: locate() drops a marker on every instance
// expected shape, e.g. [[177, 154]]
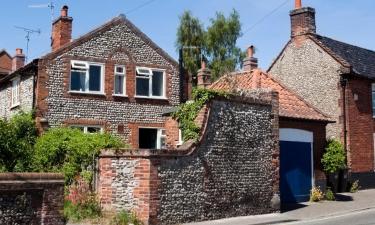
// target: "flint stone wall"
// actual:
[[232, 171], [31, 199]]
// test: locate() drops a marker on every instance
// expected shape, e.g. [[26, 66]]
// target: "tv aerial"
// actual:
[[28, 33], [50, 5]]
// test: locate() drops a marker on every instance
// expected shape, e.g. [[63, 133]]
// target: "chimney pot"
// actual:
[[204, 76], [18, 51], [64, 11], [298, 4], [18, 60], [61, 30], [250, 62]]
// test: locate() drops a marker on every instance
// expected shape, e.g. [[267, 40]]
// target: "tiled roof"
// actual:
[[362, 61], [290, 104]]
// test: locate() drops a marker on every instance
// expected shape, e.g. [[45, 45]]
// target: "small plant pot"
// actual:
[[333, 181], [343, 180]]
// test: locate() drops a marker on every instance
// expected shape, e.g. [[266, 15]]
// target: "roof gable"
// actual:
[[290, 104], [121, 19]]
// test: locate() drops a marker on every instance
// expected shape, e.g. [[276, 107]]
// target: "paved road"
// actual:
[[365, 217]]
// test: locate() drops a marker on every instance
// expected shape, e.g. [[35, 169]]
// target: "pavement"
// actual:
[[310, 213]]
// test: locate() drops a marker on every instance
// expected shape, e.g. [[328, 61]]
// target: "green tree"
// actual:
[[17, 139], [221, 39], [190, 38], [334, 157], [217, 42]]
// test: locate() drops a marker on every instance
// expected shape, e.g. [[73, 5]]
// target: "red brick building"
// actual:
[[337, 78]]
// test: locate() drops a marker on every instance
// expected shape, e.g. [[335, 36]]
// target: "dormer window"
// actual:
[[150, 83], [87, 77]]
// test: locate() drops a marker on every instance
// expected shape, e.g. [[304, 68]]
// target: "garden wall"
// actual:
[[31, 198], [231, 171]]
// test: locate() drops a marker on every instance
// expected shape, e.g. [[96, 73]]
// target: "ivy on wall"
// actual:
[[188, 111]]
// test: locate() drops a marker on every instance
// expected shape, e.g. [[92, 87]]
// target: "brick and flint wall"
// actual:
[[231, 171], [31, 198], [117, 43]]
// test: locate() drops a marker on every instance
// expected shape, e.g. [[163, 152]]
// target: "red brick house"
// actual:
[[337, 78], [302, 130], [113, 79]]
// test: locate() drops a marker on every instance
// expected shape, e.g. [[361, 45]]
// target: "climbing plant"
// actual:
[[188, 111]]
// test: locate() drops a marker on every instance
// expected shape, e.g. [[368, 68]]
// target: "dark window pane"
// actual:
[[157, 83], [142, 87], [93, 129], [147, 138], [94, 78], [77, 81], [119, 85]]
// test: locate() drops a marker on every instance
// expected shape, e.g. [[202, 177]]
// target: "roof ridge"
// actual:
[[356, 46], [114, 21]]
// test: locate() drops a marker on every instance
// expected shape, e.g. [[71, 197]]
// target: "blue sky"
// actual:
[[346, 20]]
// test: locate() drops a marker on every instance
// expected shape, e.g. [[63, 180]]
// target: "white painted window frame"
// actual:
[[85, 128], [148, 75], [180, 140], [123, 74], [87, 68], [159, 135], [15, 92]]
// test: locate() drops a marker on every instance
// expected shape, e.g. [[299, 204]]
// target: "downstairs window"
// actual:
[[152, 138]]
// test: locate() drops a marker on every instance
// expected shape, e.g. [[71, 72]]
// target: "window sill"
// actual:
[[146, 97], [86, 93], [15, 106], [118, 95]]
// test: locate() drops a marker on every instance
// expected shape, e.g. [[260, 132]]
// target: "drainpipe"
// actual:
[[343, 83]]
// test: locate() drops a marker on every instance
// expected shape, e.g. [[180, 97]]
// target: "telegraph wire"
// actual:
[[139, 7], [265, 17]]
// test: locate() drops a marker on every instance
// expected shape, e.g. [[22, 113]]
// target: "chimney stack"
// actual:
[[204, 76], [302, 20], [18, 60], [61, 29], [250, 62]]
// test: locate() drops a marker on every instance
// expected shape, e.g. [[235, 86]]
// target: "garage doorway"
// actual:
[[296, 165]]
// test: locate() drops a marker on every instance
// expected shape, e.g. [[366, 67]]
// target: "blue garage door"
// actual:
[[295, 171]]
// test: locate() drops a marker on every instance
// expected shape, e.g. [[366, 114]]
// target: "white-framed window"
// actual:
[[120, 81], [88, 129], [87, 77], [15, 95], [152, 138], [150, 83], [373, 99]]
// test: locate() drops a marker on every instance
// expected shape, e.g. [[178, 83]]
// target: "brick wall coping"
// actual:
[[31, 178], [189, 147]]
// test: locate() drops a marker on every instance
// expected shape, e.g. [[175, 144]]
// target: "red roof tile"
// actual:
[[290, 104]]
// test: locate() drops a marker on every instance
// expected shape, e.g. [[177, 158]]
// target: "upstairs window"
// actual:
[[150, 83], [86, 77], [120, 81], [152, 138], [373, 100], [15, 99]]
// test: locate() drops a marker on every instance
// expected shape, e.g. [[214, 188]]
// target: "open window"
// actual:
[[86, 77], [152, 138], [150, 83]]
